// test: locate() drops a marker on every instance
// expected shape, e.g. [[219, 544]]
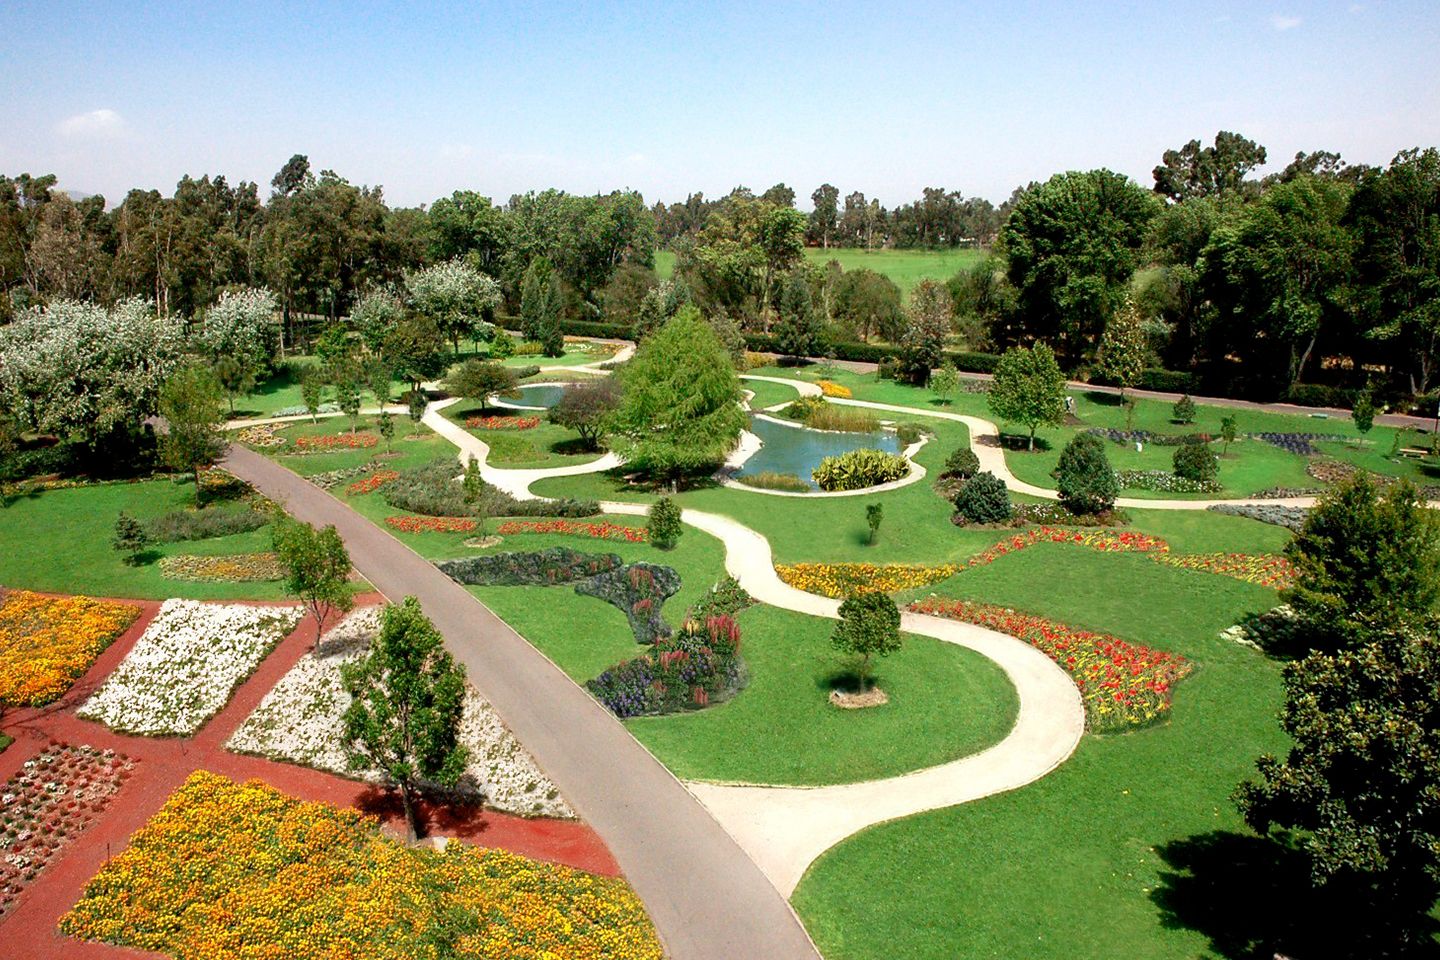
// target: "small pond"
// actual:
[[539, 395], [798, 451]]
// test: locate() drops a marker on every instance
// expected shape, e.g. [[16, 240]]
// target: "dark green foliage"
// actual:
[[415, 404], [479, 380], [869, 627], [180, 525], [664, 524], [130, 537], [1364, 560], [408, 696], [312, 390], [386, 426], [1184, 410], [586, 408], [1195, 461], [1084, 476], [317, 569], [726, 598], [699, 666], [798, 330], [874, 515], [1229, 427], [548, 567], [235, 377], [984, 499], [639, 590], [962, 463], [190, 404]]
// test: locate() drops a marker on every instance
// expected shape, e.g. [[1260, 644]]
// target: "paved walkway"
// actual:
[[706, 897]]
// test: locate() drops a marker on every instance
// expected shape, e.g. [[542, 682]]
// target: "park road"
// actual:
[[709, 901]]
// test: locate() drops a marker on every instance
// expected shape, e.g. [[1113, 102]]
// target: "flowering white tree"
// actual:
[[456, 296], [75, 368], [244, 324], [377, 313]]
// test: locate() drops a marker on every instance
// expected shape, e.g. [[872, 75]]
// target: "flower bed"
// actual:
[[1122, 684], [300, 720], [696, 667], [333, 478], [337, 441], [185, 666], [840, 580], [55, 796], [1267, 570], [1128, 438], [371, 483], [1291, 518], [230, 568], [1301, 444], [1163, 482], [832, 389], [47, 643], [243, 871], [600, 530], [1107, 541], [533, 568], [296, 410], [640, 591], [502, 423], [262, 435], [433, 524]]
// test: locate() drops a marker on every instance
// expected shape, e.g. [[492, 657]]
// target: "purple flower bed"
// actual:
[[698, 666], [1301, 444], [1127, 437]]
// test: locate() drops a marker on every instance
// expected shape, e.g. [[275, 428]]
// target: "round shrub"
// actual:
[[984, 499], [1086, 480], [858, 469], [1195, 461], [962, 463], [664, 526]]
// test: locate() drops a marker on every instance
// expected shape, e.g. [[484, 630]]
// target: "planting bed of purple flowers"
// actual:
[[698, 666], [1301, 444], [1127, 437]]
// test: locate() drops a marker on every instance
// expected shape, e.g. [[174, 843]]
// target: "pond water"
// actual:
[[544, 395], [798, 451]]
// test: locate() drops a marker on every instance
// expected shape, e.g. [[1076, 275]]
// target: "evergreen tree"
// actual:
[[664, 526], [1084, 476]]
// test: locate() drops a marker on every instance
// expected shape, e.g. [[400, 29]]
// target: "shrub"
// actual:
[[1166, 381], [962, 463], [434, 489], [858, 469], [1195, 461], [179, 525], [529, 348], [639, 590], [726, 598], [1184, 410], [984, 499], [130, 537], [1085, 478], [524, 373], [664, 526], [555, 565]]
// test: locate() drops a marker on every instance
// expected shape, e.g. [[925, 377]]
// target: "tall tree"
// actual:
[[867, 304], [797, 333], [825, 218], [1123, 353], [457, 297], [1028, 388], [245, 325], [1217, 170], [540, 307], [407, 700], [190, 404], [927, 324]]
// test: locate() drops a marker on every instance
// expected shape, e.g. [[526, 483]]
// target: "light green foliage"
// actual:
[[1364, 412], [480, 380], [312, 390], [234, 377], [375, 315], [1028, 389], [927, 324], [317, 568], [1184, 411], [1124, 350], [945, 381], [456, 296], [857, 469], [408, 696], [1195, 461], [869, 627], [245, 325]]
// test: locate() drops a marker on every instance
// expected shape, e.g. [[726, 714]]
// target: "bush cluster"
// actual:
[[639, 590], [984, 499], [555, 565], [435, 490], [1195, 461], [857, 469], [1084, 476], [180, 525], [962, 463], [726, 598], [698, 666]]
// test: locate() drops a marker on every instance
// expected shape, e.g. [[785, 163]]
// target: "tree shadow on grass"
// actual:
[[1020, 442], [1102, 399], [1252, 897]]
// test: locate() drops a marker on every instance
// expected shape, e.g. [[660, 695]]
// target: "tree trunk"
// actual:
[[199, 500], [1032, 439], [412, 831]]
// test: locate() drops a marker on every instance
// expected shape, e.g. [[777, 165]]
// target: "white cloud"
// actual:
[[1280, 22], [104, 124]]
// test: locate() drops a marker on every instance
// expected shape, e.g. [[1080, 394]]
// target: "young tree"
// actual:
[[1028, 389], [1363, 413], [1364, 560], [1228, 429], [586, 408], [945, 382], [377, 379], [479, 380], [1360, 787], [1084, 476], [874, 516], [347, 396], [869, 627], [312, 391], [234, 378], [415, 404], [190, 404], [927, 325], [1184, 410], [679, 400], [664, 526], [1123, 352], [502, 346], [317, 569], [407, 700], [387, 428], [130, 538]]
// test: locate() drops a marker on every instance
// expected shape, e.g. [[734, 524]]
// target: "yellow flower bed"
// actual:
[[223, 568], [47, 643], [840, 580], [832, 389], [228, 870]]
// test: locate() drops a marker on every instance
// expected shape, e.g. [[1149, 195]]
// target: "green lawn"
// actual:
[[768, 394], [59, 541], [905, 267], [577, 353], [1087, 861], [545, 445]]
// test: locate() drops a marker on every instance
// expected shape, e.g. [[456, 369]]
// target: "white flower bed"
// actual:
[[300, 720], [185, 666]]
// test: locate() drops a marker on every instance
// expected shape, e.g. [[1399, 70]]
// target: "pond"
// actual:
[[541, 396], [798, 451]]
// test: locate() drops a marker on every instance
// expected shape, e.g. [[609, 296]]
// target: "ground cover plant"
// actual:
[[56, 795], [185, 665], [300, 720], [232, 568], [434, 489], [599, 530], [47, 643], [241, 870]]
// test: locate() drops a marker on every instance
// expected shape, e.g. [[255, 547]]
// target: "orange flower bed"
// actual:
[[1267, 570], [602, 530], [338, 441], [47, 643], [371, 483], [1106, 541], [243, 871], [408, 524], [832, 389], [1123, 684], [502, 423]]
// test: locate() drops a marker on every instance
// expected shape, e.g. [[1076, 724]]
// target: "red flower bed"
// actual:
[[55, 796], [1123, 684], [338, 441], [433, 524], [1108, 541], [602, 530], [371, 483], [1267, 570], [502, 423]]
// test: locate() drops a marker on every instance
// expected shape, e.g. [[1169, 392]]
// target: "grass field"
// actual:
[[905, 267]]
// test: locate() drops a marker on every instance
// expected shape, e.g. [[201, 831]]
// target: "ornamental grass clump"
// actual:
[[858, 469]]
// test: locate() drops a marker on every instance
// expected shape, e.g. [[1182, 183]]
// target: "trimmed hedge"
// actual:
[[1167, 381]]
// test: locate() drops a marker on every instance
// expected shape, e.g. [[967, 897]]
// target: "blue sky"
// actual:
[[668, 98]]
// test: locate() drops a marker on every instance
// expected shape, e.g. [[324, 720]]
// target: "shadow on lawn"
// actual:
[[1252, 898]]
